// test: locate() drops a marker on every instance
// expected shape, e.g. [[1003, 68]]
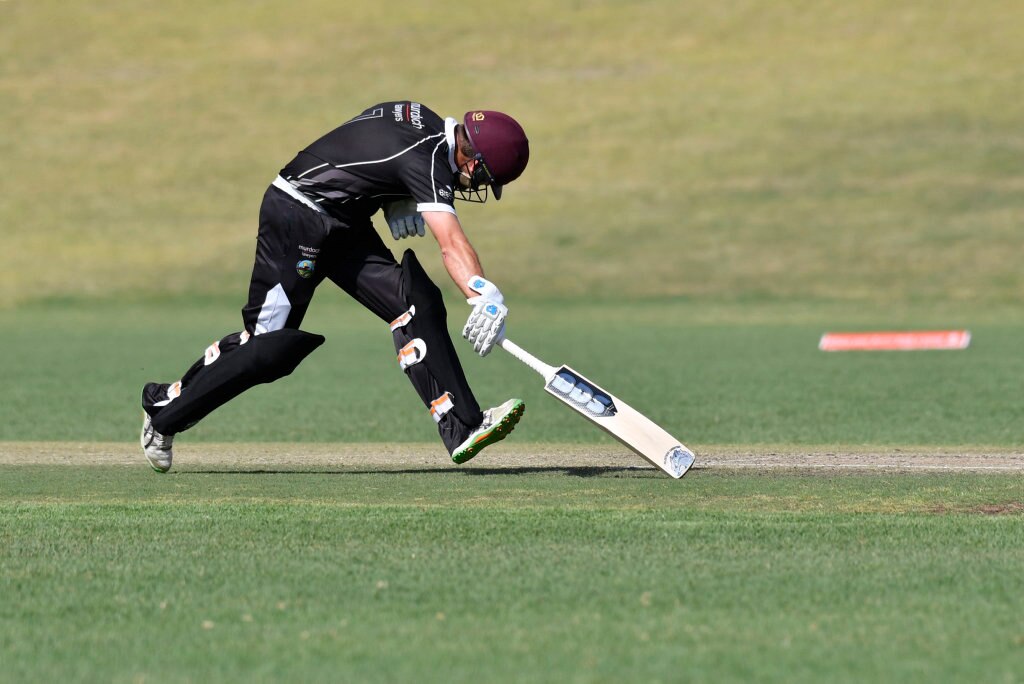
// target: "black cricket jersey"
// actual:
[[391, 150]]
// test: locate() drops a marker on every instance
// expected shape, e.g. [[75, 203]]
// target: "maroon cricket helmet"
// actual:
[[500, 143]]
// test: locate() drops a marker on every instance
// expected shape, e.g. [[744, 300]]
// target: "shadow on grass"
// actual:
[[571, 471]]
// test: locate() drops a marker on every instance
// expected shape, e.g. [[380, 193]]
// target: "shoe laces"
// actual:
[[488, 420]]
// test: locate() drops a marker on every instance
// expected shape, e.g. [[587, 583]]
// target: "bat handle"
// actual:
[[526, 357]]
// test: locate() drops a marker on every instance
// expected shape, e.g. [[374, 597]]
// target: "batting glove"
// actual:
[[403, 219], [486, 324]]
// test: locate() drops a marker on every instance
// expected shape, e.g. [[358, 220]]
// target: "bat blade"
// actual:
[[611, 414], [620, 420]]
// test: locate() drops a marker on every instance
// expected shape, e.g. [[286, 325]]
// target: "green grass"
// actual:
[[530, 576], [864, 153], [75, 373], [712, 185]]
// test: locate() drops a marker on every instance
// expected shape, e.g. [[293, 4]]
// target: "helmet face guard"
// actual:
[[478, 182]]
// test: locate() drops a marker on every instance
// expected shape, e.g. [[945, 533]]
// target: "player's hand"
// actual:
[[486, 324], [403, 219]]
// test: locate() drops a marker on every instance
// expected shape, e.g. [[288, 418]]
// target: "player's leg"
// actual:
[[425, 302], [284, 279], [408, 300]]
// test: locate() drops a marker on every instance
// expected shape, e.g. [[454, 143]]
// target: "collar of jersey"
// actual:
[[449, 134]]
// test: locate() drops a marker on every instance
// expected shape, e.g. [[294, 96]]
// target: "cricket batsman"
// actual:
[[315, 224]]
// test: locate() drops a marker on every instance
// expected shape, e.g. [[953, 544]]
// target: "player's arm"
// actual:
[[486, 323], [459, 257]]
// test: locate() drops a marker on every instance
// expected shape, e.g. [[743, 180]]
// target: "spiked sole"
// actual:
[[498, 432]]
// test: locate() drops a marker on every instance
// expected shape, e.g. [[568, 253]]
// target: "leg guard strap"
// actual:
[[412, 353], [404, 319], [440, 406], [433, 368]]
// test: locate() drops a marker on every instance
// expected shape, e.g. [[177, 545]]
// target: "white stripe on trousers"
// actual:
[[275, 310]]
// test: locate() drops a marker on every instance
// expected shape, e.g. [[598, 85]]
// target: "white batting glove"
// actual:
[[403, 219], [486, 324]]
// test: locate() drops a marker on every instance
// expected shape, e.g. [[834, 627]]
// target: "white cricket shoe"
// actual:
[[157, 447], [497, 423]]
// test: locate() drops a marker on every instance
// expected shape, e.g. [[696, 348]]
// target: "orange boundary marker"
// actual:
[[895, 341]]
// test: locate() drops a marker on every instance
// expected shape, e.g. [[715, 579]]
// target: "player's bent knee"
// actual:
[[255, 360], [278, 353]]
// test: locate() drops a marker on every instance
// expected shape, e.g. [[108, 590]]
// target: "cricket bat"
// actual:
[[614, 416]]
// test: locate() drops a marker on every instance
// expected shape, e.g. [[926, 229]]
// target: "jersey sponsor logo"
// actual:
[[309, 252], [305, 268], [415, 117], [445, 192], [411, 113]]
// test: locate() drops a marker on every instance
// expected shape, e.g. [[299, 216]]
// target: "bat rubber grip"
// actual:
[[526, 357]]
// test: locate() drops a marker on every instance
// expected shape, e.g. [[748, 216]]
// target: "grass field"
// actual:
[[530, 575], [245, 568], [742, 150], [712, 186], [76, 374]]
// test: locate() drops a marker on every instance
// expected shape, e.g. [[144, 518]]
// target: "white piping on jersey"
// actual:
[[423, 206], [433, 185], [375, 161], [312, 169], [449, 135]]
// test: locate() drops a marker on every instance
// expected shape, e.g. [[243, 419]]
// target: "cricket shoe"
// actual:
[[497, 423], [157, 447]]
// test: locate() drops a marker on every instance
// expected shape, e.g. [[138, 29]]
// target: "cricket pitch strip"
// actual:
[[285, 456]]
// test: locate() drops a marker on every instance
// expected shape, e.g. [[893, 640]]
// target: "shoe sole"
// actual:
[[155, 468], [495, 434]]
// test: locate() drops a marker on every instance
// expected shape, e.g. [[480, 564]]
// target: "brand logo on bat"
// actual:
[[679, 460], [578, 392]]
